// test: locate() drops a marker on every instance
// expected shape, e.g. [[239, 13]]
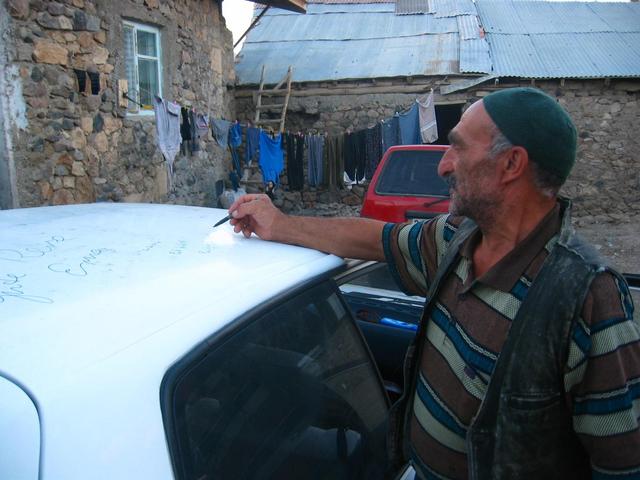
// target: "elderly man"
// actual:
[[527, 360]]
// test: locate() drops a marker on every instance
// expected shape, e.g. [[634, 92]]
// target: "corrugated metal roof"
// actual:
[[326, 60], [352, 41], [409, 7], [562, 39], [348, 26], [452, 8]]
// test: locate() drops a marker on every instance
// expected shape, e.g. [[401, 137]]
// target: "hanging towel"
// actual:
[[220, 130], [271, 157], [167, 132], [410, 126], [427, 118]]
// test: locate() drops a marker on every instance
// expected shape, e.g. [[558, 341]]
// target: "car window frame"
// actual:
[[176, 371]]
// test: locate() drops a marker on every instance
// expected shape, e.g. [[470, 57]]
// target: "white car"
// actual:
[[138, 342]]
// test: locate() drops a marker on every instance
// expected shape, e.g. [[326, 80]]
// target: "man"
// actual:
[[527, 360]]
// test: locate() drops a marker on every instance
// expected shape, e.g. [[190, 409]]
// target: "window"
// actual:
[[292, 394], [412, 172], [142, 64]]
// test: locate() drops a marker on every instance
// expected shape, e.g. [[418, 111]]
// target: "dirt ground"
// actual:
[[617, 242]]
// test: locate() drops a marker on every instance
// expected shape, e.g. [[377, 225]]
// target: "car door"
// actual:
[[387, 317], [287, 391]]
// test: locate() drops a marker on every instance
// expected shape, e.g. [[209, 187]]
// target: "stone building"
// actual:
[[365, 60], [66, 134]]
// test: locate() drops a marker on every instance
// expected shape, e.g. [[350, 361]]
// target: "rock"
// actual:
[[83, 21], [65, 159], [62, 197], [67, 124], [86, 123], [36, 74], [59, 22], [111, 124], [78, 139], [101, 142], [77, 169], [51, 53], [68, 182], [100, 37], [151, 3], [98, 123], [85, 192], [60, 170], [46, 190], [18, 9], [352, 200], [85, 39], [100, 55], [55, 8]]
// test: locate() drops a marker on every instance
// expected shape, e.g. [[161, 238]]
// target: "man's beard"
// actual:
[[479, 207]]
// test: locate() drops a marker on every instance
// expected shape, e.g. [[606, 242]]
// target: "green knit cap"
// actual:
[[532, 119]]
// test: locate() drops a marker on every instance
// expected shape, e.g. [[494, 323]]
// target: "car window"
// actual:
[[412, 172], [293, 394]]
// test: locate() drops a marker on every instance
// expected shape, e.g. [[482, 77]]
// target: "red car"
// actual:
[[406, 185]]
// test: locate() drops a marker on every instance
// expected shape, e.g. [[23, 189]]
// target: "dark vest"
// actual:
[[523, 428]]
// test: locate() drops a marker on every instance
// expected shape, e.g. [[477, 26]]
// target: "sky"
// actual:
[[238, 15]]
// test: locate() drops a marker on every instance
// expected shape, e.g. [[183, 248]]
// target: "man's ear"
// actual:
[[515, 163]]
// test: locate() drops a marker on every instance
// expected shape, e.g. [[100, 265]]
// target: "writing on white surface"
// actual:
[[83, 267], [11, 287], [179, 248], [23, 255]]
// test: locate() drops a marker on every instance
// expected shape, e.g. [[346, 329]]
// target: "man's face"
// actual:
[[469, 169]]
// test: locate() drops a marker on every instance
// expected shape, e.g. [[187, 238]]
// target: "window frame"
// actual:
[[185, 364], [136, 91]]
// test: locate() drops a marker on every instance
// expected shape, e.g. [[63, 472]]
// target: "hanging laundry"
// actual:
[[334, 146], [315, 145], [427, 118], [167, 132], [195, 144], [271, 157], [185, 132], [253, 142], [390, 133], [294, 147], [202, 124], [235, 135], [220, 131], [373, 149], [410, 126], [355, 155], [235, 140]]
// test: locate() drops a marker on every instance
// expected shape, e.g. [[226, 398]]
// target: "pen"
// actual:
[[220, 222]]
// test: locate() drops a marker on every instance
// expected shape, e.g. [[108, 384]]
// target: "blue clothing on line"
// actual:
[[271, 157], [410, 126], [253, 143], [235, 135], [315, 146], [390, 133]]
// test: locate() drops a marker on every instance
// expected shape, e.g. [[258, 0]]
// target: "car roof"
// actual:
[[82, 285]]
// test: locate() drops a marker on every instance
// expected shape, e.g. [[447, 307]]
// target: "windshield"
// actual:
[[412, 172]]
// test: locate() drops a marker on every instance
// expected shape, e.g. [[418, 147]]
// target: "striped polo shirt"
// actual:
[[469, 325]]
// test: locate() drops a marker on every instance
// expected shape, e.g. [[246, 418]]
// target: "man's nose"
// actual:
[[445, 167]]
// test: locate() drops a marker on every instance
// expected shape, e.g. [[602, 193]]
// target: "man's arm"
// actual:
[[351, 237]]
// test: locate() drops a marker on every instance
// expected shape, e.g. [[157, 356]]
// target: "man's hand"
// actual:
[[346, 237], [254, 213]]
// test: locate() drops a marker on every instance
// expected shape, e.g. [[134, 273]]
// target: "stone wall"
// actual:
[[605, 183], [79, 147]]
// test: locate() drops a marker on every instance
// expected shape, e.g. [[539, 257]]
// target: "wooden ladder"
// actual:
[[276, 91]]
